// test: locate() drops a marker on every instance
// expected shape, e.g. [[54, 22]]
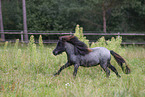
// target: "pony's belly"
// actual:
[[89, 63]]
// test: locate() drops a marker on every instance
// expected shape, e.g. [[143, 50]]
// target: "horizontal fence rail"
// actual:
[[59, 33]]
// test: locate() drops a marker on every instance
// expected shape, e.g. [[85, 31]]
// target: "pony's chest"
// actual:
[[74, 59]]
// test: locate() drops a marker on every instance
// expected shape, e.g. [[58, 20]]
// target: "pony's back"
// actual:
[[100, 53]]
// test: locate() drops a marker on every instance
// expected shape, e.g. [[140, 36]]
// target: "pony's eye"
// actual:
[[60, 43]]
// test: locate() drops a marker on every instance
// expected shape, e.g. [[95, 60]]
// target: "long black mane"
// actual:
[[80, 48]]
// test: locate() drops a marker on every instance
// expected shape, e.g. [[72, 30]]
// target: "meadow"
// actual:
[[27, 71]]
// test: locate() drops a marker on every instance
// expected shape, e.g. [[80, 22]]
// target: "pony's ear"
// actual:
[[62, 38]]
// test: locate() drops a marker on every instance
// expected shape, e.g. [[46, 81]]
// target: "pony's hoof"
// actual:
[[55, 74], [118, 76], [74, 77]]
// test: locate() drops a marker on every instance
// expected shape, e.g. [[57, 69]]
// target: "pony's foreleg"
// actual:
[[63, 67], [76, 66]]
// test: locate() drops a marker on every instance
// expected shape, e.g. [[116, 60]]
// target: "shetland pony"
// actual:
[[78, 54]]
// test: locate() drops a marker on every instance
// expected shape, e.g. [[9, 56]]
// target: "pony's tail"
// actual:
[[120, 61]]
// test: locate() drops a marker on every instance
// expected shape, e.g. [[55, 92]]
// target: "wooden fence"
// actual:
[[59, 33]]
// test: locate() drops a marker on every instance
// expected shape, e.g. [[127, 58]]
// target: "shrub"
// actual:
[[113, 44]]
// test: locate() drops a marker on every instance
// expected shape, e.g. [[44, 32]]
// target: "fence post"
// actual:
[[22, 39], [25, 21], [118, 34]]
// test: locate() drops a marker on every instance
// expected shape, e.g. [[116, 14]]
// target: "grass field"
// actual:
[[27, 72]]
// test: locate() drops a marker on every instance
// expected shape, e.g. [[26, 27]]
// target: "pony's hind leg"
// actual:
[[104, 66], [113, 69]]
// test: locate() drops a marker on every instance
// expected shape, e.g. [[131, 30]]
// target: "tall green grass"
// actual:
[[27, 71]]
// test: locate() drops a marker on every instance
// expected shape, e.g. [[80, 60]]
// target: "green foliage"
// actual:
[[41, 46], [6, 44], [31, 43], [113, 44], [51, 15], [64, 15], [16, 44], [12, 14], [100, 43], [18, 60], [32, 51], [3, 57], [79, 34]]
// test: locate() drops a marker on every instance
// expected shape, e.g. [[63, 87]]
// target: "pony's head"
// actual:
[[61, 44]]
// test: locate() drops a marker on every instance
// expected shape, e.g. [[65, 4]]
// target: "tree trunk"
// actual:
[[104, 19], [1, 24], [25, 22]]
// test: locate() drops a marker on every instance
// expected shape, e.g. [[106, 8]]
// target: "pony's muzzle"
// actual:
[[55, 52]]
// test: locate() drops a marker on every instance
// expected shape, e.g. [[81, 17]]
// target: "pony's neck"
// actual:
[[69, 48]]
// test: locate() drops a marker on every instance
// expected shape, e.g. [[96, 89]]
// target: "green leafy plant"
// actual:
[[99, 43], [32, 50], [113, 44], [6, 44], [31, 43], [16, 44], [41, 46]]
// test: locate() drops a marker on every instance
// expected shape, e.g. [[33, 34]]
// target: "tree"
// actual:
[[53, 15], [12, 14], [129, 16], [92, 15], [104, 9], [25, 22], [1, 24]]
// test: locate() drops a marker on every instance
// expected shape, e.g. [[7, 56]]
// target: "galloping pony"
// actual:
[[78, 54]]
